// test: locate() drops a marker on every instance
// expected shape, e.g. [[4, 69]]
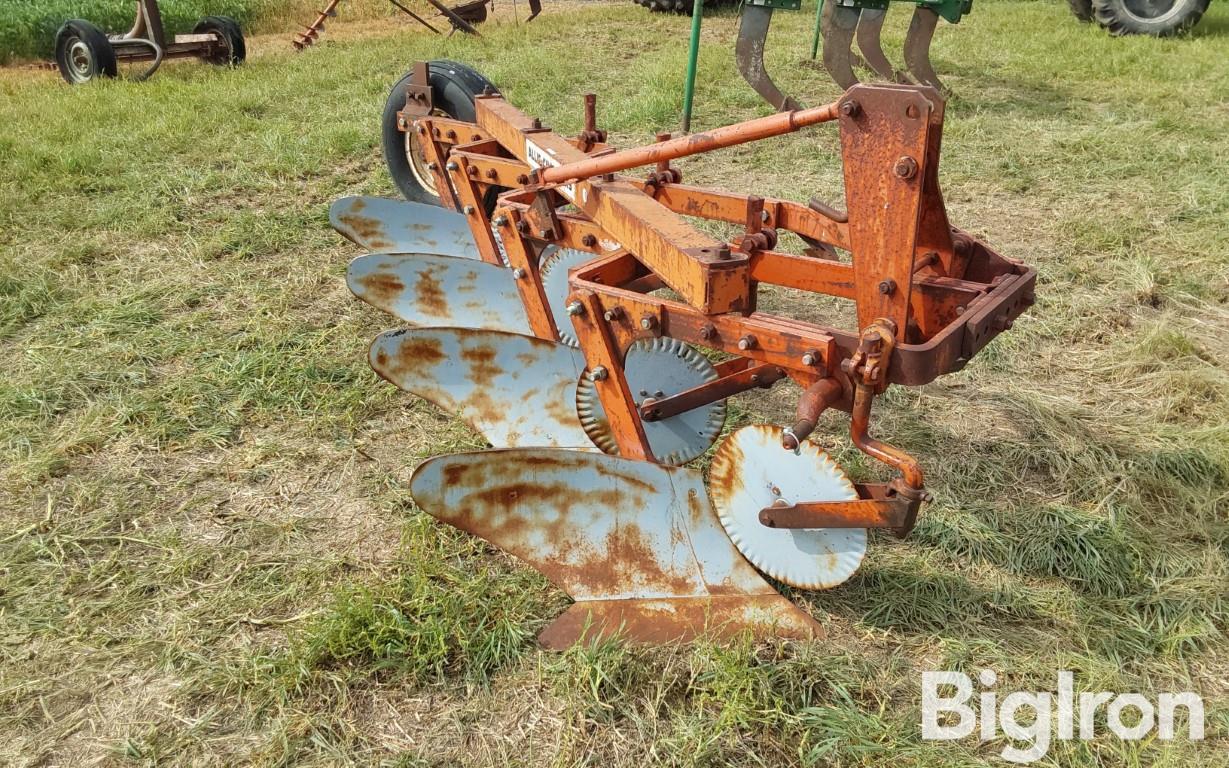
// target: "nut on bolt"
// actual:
[[905, 168], [500, 221], [747, 342], [887, 287], [575, 308], [851, 108], [451, 165], [708, 331], [519, 273], [613, 314], [599, 373], [810, 358], [648, 322], [468, 210]]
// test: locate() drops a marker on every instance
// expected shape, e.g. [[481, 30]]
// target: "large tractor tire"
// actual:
[[453, 88], [1081, 8], [1158, 18]]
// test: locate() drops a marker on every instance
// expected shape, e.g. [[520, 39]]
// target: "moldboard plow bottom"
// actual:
[[570, 314]]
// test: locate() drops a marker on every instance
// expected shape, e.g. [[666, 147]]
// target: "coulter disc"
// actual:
[[658, 368], [554, 270], [751, 471]]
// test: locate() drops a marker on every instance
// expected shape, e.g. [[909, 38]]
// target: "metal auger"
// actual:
[[534, 311]]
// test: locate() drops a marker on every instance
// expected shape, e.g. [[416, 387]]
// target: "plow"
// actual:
[[584, 320]]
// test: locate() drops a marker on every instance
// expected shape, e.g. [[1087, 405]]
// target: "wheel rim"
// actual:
[[224, 54], [80, 60], [418, 159], [1150, 10]]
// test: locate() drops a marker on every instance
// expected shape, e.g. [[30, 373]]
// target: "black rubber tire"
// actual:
[[228, 30], [95, 57], [1082, 9], [453, 88], [679, 6], [1125, 17]]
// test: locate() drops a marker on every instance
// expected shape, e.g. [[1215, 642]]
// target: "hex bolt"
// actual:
[[887, 287], [472, 170], [613, 314], [519, 273], [764, 217], [575, 308], [648, 322], [746, 342], [431, 166], [468, 210], [500, 221], [491, 174], [905, 168], [851, 108], [545, 234], [452, 134], [588, 241], [536, 124], [522, 179], [708, 331], [755, 378], [522, 226], [451, 165], [599, 373], [810, 358], [422, 130]]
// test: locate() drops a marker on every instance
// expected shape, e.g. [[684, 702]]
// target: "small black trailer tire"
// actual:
[[83, 52], [231, 35]]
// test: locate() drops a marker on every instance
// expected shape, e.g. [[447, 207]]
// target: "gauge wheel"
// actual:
[[453, 88]]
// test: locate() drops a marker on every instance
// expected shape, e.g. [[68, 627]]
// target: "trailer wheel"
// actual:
[[453, 88], [234, 50], [1082, 9], [1158, 18], [83, 52]]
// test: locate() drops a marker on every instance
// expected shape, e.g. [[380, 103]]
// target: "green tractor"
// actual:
[[1159, 18]]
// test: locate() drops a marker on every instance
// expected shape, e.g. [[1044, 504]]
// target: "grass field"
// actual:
[[208, 554], [27, 29]]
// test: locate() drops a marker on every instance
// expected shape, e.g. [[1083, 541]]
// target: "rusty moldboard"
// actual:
[[636, 544]]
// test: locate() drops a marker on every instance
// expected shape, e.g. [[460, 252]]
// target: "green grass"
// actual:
[[27, 29], [208, 553]]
